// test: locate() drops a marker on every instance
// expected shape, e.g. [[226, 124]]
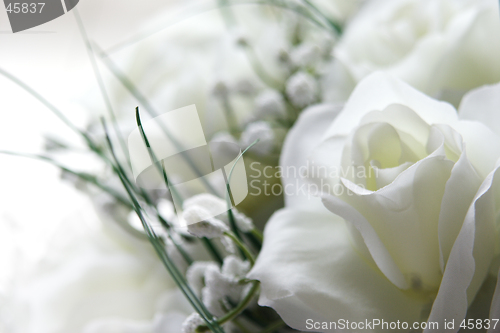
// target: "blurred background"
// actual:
[[177, 53], [52, 59]]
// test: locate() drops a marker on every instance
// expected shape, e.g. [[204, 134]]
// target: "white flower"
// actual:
[[195, 274], [213, 205], [220, 90], [191, 323], [415, 238], [234, 266], [269, 103], [217, 287], [302, 89], [261, 130], [222, 137], [220, 284], [306, 55], [439, 46], [244, 87], [200, 224], [166, 210]]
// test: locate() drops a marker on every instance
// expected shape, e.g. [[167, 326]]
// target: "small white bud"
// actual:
[[224, 136], [269, 103], [220, 90], [219, 287], [244, 87], [209, 228], [166, 210], [228, 244], [219, 284], [243, 222], [192, 322], [240, 37], [284, 57], [306, 55], [302, 89], [213, 302], [214, 205], [196, 273], [258, 130], [223, 143], [234, 266]]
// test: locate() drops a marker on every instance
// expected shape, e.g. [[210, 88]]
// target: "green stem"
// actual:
[[212, 324], [240, 326], [242, 247], [102, 86], [335, 26], [89, 179], [149, 108], [260, 71], [232, 122], [273, 326], [237, 310], [255, 232], [212, 250]]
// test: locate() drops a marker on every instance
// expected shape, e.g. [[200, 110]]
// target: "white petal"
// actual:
[[403, 216], [483, 105], [301, 139], [309, 270], [476, 135], [495, 305], [379, 90], [458, 195], [473, 55], [470, 257], [377, 249]]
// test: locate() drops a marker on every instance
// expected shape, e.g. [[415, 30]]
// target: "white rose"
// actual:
[[415, 240], [444, 47]]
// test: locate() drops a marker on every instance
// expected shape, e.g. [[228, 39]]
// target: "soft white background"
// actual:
[[52, 59]]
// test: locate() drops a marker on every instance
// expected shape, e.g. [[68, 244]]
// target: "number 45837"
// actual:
[[25, 7]]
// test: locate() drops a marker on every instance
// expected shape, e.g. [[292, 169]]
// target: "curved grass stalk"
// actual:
[[237, 310], [279, 4], [161, 169], [211, 322], [89, 179], [102, 86], [149, 108]]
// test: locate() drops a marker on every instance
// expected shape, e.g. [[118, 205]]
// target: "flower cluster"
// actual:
[[406, 91]]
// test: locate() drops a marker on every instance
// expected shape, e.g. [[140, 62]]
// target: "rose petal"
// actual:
[[379, 90], [301, 139], [401, 219], [495, 304], [476, 135], [458, 195], [309, 270], [482, 104], [470, 257], [472, 57]]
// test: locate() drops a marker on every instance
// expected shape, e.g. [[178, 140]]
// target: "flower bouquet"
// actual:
[[287, 165]]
